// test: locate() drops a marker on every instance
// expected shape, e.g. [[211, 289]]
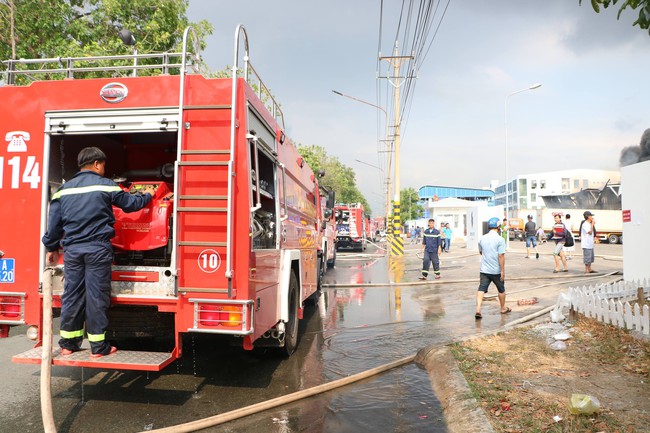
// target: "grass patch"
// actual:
[[522, 384]]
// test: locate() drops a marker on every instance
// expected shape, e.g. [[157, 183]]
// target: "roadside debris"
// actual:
[[529, 301], [581, 404]]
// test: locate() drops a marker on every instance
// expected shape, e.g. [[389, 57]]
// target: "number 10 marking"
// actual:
[[209, 261]]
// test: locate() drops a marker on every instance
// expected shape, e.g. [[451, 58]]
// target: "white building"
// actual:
[[525, 191], [456, 212]]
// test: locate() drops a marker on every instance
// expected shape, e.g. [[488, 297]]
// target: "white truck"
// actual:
[[609, 223]]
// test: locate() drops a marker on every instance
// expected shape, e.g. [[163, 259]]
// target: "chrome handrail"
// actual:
[[71, 65]]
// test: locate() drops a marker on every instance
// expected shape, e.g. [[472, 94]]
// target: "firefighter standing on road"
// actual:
[[81, 221], [431, 248]]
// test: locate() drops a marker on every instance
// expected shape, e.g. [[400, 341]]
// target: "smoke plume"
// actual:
[[633, 154]]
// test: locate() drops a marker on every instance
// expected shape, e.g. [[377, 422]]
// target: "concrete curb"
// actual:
[[462, 412]]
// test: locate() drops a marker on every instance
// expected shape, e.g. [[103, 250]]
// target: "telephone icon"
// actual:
[[17, 141]]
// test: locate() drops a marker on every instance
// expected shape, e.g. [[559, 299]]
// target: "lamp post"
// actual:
[[505, 163], [387, 174], [128, 39]]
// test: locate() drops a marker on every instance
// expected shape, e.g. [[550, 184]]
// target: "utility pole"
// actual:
[[397, 244]]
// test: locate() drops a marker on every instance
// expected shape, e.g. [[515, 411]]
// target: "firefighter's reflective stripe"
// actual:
[[96, 337], [85, 190], [431, 236], [72, 334]]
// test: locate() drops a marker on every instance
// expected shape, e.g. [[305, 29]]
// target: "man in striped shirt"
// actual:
[[81, 222]]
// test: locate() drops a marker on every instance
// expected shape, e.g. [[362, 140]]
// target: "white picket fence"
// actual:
[[610, 303]]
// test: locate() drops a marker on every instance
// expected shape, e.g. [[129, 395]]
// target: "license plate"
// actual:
[[7, 271]]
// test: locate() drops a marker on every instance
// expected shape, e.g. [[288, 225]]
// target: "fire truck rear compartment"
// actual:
[[140, 157]]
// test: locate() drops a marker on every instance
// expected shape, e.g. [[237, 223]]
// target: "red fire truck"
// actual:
[[350, 226], [229, 243]]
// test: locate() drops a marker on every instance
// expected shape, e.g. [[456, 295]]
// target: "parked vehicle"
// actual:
[[516, 229], [350, 227], [609, 223]]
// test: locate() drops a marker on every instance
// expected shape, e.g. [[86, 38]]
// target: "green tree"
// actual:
[[76, 28], [410, 208], [338, 177], [642, 5]]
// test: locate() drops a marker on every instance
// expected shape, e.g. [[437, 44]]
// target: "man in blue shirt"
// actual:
[[81, 222], [492, 247], [430, 249]]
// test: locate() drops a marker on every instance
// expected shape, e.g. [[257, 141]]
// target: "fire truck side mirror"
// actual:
[[328, 213], [331, 199]]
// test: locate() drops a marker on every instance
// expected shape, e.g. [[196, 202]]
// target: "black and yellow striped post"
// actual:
[[397, 244], [396, 268]]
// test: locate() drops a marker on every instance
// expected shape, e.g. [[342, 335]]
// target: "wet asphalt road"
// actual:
[[352, 328]]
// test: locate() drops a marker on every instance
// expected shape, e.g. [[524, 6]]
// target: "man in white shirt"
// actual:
[[493, 266], [587, 237]]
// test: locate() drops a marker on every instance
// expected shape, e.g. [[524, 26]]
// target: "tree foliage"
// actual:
[[338, 177], [643, 6], [75, 28], [410, 208]]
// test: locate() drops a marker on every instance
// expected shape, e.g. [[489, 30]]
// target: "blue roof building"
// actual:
[[430, 193]]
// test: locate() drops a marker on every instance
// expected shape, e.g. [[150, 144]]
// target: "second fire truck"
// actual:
[[350, 226]]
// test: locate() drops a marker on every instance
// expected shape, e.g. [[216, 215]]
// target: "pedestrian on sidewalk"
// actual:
[[448, 235], [492, 248], [531, 237], [568, 251], [558, 234], [431, 247], [587, 238]]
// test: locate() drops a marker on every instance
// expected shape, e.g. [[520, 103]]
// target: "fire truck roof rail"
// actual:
[[66, 67], [251, 76]]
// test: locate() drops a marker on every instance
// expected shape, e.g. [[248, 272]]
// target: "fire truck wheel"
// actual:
[[332, 261], [291, 337]]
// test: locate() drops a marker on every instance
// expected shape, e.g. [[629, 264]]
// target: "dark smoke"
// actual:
[[633, 154]]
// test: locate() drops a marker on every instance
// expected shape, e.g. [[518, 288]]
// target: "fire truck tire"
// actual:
[[291, 337], [332, 261], [612, 238]]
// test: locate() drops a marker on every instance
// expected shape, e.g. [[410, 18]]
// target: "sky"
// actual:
[[592, 103]]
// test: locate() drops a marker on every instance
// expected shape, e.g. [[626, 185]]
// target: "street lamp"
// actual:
[[533, 87], [128, 39], [387, 175]]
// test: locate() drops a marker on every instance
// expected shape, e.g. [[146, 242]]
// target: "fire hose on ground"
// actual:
[[46, 367]]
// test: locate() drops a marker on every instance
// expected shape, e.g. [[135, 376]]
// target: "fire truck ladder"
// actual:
[[182, 165]]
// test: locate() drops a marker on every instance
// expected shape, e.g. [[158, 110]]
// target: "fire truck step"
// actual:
[[203, 163], [203, 197], [206, 152], [202, 209], [120, 360]]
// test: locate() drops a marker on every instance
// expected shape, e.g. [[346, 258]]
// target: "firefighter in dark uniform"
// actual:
[[431, 246], [81, 222]]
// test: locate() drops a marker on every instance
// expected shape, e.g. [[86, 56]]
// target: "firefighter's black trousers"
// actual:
[[86, 296], [429, 258]]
